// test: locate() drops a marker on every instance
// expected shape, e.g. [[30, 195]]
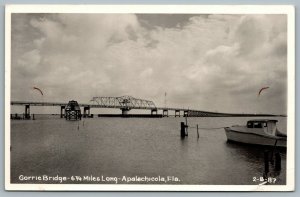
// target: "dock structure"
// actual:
[[72, 111], [125, 104]]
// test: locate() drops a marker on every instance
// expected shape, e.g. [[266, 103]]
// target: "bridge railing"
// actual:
[[33, 103]]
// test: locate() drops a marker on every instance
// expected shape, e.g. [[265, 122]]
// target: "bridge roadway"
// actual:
[[96, 105], [189, 112]]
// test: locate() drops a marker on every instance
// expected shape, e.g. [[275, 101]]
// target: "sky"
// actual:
[[206, 62]]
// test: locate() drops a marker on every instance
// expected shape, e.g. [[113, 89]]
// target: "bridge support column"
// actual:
[[62, 111], [177, 113], [153, 111], [27, 112], [125, 111], [185, 113], [165, 113], [86, 111]]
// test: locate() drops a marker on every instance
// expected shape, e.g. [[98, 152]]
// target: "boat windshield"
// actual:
[[269, 126], [250, 124], [256, 124]]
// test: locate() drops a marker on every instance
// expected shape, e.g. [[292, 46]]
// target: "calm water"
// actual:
[[117, 147]]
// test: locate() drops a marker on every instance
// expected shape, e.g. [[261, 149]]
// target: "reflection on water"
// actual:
[[136, 147]]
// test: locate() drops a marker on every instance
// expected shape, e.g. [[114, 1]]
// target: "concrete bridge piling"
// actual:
[[185, 113], [86, 111], [177, 113], [165, 113], [125, 110], [153, 111]]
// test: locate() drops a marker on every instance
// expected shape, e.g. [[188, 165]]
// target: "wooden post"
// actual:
[[33, 117], [197, 131], [273, 150], [62, 111], [186, 127], [277, 162], [266, 160], [182, 130], [27, 111]]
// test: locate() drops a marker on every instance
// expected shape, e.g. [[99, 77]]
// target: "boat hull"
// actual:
[[252, 138]]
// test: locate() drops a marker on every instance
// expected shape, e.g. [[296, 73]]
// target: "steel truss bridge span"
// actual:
[[123, 102]]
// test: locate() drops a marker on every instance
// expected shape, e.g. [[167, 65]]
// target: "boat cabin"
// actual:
[[269, 126]]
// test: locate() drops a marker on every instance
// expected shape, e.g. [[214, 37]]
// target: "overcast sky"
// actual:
[[205, 62]]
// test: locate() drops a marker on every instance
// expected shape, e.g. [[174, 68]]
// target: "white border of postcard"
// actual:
[[199, 9]]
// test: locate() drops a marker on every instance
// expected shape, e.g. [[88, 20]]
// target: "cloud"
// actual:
[[251, 61], [208, 62]]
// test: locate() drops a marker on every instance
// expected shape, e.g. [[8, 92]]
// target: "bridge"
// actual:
[[125, 104]]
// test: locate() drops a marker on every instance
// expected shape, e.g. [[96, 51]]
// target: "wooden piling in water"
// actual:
[[182, 130], [27, 112], [197, 131], [277, 161], [272, 154], [266, 161], [62, 111], [186, 127]]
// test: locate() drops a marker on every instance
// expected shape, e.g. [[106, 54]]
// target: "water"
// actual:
[[152, 147]]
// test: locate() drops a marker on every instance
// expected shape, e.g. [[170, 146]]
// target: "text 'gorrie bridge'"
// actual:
[[125, 104]]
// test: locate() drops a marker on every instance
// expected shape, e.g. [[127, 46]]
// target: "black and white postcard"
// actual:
[[150, 98]]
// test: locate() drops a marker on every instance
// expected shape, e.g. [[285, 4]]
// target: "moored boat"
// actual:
[[258, 132]]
